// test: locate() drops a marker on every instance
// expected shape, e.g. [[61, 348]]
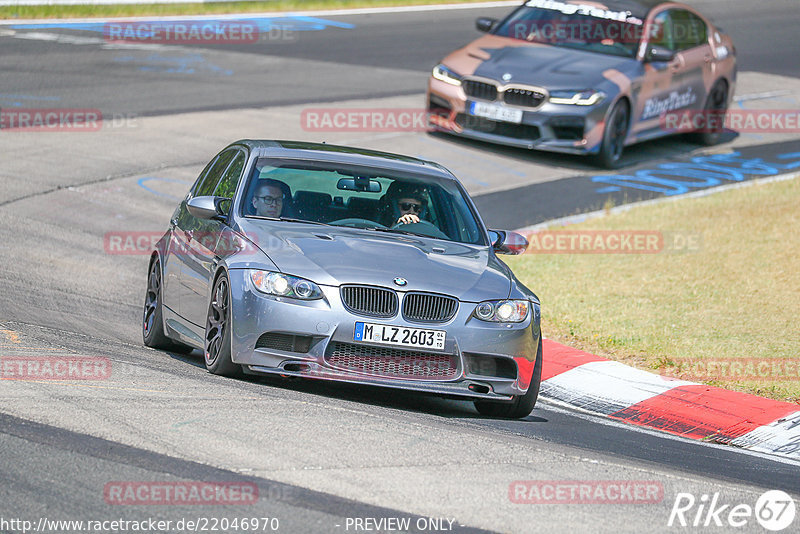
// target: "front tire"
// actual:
[[153, 334], [521, 405], [614, 134], [218, 331]]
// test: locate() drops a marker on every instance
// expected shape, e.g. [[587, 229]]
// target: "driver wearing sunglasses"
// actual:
[[405, 203], [409, 209]]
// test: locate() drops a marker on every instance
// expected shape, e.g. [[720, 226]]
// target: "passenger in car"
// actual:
[[270, 198]]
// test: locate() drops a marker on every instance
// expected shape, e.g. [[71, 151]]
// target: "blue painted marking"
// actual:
[[15, 101], [142, 181], [792, 155], [289, 22], [359, 333], [700, 172], [188, 64]]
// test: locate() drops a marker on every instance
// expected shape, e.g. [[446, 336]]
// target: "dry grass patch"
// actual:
[[736, 296]]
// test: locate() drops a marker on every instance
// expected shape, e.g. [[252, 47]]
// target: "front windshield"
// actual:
[[578, 26], [360, 197]]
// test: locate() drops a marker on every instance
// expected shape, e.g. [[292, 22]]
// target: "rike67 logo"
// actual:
[[774, 510]]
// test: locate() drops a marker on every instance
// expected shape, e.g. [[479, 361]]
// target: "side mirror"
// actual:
[[657, 53], [505, 242], [207, 207], [485, 24]]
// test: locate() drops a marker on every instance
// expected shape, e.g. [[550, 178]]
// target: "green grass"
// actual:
[[737, 296], [136, 10]]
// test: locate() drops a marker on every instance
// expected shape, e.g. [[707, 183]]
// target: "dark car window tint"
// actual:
[[214, 175], [227, 186], [689, 30]]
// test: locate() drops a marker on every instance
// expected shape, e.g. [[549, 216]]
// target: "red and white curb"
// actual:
[[686, 409]]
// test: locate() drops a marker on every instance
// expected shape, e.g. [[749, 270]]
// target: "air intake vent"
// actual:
[[523, 97], [370, 301], [390, 362], [284, 342], [428, 308]]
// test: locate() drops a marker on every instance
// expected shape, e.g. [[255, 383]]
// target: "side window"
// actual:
[[661, 31], [689, 30], [200, 178], [212, 178], [227, 186]]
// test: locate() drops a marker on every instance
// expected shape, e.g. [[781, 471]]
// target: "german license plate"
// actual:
[[385, 334], [495, 112]]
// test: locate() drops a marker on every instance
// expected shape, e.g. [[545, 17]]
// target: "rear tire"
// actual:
[[218, 331], [614, 134], [717, 104], [153, 334], [521, 405]]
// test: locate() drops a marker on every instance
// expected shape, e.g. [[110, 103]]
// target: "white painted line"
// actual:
[[780, 437], [318, 13], [563, 407], [607, 387], [762, 96]]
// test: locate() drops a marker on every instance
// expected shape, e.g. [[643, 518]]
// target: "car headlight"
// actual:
[[284, 285], [589, 97], [502, 311], [442, 73]]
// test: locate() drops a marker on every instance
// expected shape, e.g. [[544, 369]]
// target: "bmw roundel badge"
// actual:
[[400, 281]]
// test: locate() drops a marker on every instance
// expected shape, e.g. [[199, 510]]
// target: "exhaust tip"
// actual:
[[479, 388], [297, 367]]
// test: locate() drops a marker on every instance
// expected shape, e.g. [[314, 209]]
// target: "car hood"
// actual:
[[335, 256], [535, 64]]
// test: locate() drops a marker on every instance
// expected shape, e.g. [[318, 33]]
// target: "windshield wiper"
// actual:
[[394, 231]]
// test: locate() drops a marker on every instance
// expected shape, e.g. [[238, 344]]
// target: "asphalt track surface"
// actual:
[[319, 453]]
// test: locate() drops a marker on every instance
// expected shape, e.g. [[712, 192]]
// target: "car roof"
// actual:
[[342, 154]]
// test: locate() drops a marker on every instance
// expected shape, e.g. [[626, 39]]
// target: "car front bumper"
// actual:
[[568, 129], [315, 339]]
